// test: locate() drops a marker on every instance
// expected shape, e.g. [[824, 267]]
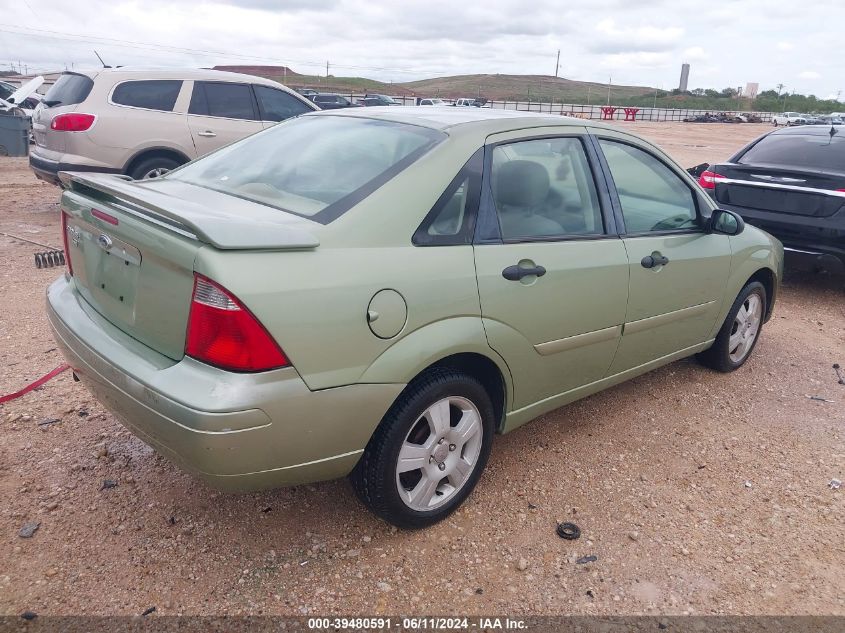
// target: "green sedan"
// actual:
[[377, 294]]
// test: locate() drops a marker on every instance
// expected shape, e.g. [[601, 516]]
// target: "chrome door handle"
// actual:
[[207, 134]]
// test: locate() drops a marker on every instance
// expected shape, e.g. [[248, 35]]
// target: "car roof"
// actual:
[[489, 120], [142, 72]]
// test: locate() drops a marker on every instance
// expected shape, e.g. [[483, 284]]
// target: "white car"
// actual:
[[789, 118], [433, 102]]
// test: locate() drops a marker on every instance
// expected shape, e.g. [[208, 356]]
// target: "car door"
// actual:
[[678, 271], [276, 105], [552, 273], [221, 113]]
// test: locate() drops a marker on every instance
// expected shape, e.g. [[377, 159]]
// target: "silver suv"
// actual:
[[143, 123]]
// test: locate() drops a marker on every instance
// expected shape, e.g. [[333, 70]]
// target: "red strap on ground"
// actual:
[[36, 384]]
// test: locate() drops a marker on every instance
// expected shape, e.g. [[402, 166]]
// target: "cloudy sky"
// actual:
[[728, 43]]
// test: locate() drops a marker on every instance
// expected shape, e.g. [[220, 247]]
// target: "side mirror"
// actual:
[[725, 222]]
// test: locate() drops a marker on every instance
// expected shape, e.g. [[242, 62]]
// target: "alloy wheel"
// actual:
[[439, 453], [746, 325]]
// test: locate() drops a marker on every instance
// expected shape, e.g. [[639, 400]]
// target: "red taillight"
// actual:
[[72, 122], [64, 241], [223, 333], [708, 179]]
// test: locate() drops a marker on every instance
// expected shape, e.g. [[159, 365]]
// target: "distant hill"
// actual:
[[520, 87], [499, 87]]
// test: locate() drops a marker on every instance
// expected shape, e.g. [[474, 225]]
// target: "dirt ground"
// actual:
[[697, 492]]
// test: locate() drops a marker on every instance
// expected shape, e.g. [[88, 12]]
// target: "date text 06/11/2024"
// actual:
[[417, 623]]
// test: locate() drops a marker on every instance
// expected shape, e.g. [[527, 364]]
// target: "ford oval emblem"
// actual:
[[104, 241]]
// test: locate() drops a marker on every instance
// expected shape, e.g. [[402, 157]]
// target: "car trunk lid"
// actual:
[[780, 190], [132, 247]]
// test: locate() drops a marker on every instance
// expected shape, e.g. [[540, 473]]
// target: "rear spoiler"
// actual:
[[220, 230]]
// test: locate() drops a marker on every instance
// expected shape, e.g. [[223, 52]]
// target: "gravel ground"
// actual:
[[697, 492]]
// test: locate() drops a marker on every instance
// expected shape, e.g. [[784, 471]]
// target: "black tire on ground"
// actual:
[[374, 477], [718, 356], [142, 169]]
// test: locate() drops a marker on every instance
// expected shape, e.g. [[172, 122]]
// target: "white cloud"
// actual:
[[695, 53], [810, 74], [785, 46], [614, 39]]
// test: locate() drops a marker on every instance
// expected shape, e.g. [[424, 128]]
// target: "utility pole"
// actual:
[[327, 71], [779, 87], [557, 64], [609, 81]]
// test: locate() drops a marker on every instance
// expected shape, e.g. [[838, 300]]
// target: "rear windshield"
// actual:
[[313, 166], [69, 89], [799, 151]]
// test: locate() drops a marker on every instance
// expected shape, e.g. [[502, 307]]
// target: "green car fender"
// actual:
[[458, 338], [752, 257]]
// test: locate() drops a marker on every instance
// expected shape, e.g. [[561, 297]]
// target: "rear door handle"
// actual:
[[515, 273], [207, 134], [655, 259]]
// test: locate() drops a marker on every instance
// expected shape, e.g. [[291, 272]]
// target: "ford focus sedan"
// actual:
[[377, 293]]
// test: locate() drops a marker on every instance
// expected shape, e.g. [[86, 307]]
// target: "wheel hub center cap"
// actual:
[[440, 452]]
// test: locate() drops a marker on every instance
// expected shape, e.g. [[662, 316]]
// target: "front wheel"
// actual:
[[429, 450], [739, 334]]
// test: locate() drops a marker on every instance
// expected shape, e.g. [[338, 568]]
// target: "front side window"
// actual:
[[277, 105], [314, 166], [152, 95], [221, 99], [653, 197], [544, 188]]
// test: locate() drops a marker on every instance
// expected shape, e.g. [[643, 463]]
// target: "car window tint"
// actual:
[[277, 105], [315, 167], [545, 188], [153, 94], [229, 100], [653, 197], [69, 89], [791, 150]]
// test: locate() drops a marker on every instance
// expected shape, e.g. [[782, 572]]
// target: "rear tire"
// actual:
[[153, 167], [428, 453], [740, 331]]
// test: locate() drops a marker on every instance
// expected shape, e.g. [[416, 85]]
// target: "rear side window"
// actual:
[[69, 89], [229, 100], [277, 105], [152, 95], [798, 150]]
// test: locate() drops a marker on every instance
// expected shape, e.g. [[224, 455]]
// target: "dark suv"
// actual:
[[790, 183]]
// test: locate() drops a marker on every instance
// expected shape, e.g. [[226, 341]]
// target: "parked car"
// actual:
[[27, 100], [830, 120], [789, 118], [308, 93], [565, 256], [328, 101], [433, 102], [790, 183], [812, 119], [143, 123], [464, 102], [378, 100]]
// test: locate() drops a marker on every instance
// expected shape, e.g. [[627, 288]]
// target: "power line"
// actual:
[[151, 47]]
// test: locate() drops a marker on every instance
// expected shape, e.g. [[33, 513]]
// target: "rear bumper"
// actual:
[[236, 431], [817, 241], [48, 170]]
